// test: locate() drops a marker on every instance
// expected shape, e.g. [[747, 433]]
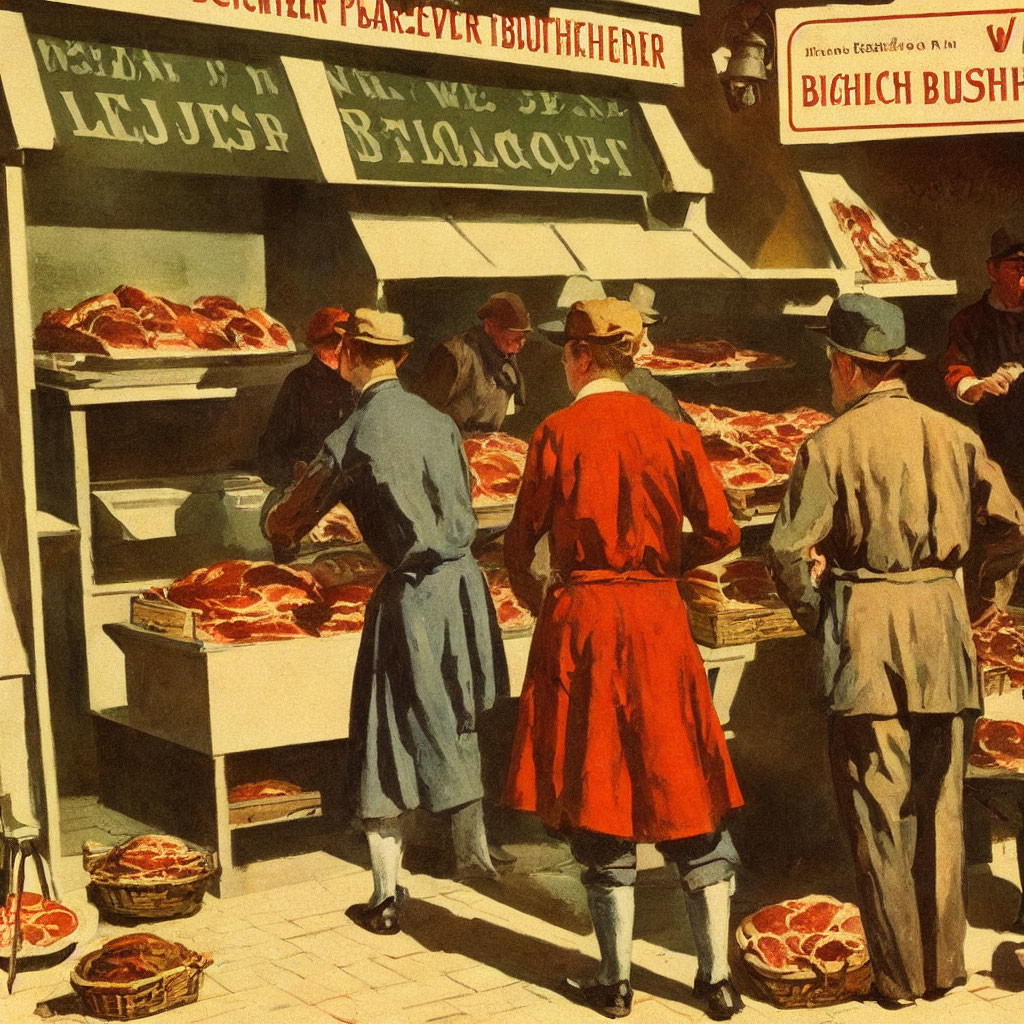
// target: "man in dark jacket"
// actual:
[[312, 402], [986, 350], [430, 657], [885, 504], [474, 377]]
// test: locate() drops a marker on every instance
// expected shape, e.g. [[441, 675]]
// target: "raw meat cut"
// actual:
[[512, 616], [998, 745], [248, 602], [339, 568], [150, 858], [1001, 644], [739, 583], [135, 956], [258, 790], [883, 260], [131, 322], [804, 937], [337, 527], [496, 464], [700, 355], [43, 921], [753, 449]]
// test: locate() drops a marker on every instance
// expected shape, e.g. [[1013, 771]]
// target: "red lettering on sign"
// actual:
[[1000, 37]]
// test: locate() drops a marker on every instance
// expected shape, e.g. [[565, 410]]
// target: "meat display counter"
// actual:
[[220, 700]]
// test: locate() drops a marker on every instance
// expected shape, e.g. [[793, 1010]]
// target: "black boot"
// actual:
[[721, 1000], [614, 1000]]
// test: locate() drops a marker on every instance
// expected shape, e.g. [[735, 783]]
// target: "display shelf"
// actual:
[[82, 396]]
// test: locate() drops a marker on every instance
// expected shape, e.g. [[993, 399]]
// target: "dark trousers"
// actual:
[[899, 784], [611, 861]]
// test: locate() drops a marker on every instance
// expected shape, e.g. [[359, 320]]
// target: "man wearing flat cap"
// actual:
[[475, 376], [617, 740], [884, 505], [312, 402], [986, 350], [430, 657]]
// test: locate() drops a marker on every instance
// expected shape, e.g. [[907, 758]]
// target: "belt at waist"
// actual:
[[929, 574], [578, 576]]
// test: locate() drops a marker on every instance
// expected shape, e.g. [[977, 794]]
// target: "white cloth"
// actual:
[[384, 837], [600, 386]]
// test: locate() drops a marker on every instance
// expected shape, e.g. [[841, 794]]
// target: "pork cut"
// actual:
[[150, 858], [998, 745], [135, 956], [810, 936], [697, 355], [884, 259], [1000, 644], [337, 527], [259, 790], [496, 464], [43, 922], [739, 583], [752, 449], [130, 321]]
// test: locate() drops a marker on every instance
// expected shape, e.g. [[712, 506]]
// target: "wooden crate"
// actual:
[[164, 617], [726, 627], [748, 502], [284, 807]]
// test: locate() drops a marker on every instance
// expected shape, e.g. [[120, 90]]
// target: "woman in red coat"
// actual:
[[618, 741]]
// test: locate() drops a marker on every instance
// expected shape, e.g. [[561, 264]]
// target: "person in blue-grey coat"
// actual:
[[430, 658]]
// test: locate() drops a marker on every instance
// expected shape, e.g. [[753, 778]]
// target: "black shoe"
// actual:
[[890, 1002], [381, 919], [721, 1000], [615, 1000], [939, 991]]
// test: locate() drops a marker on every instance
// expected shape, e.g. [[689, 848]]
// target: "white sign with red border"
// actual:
[[852, 73], [581, 41]]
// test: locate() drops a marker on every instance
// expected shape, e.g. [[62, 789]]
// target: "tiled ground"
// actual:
[[492, 954]]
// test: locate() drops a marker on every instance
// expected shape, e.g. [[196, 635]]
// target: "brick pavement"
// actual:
[[289, 955]]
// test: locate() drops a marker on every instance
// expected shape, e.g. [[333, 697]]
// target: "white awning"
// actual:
[[610, 251], [408, 247], [23, 89]]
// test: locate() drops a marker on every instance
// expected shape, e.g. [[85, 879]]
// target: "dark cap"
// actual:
[[1007, 242], [326, 325], [506, 309], [867, 327]]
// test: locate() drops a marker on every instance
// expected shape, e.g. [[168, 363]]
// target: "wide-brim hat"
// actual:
[[377, 328], [866, 327], [602, 321], [507, 310], [642, 297], [578, 288]]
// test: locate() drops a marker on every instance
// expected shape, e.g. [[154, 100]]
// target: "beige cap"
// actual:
[[377, 328], [603, 321]]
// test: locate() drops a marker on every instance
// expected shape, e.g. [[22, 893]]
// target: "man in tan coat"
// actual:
[[884, 505]]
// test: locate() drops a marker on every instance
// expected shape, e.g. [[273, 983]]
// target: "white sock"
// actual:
[[708, 910], [469, 837], [611, 910], [384, 836]]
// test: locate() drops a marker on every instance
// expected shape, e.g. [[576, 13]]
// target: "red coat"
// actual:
[[617, 732]]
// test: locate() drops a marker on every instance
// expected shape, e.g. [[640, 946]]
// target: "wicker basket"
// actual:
[[147, 899], [128, 1000], [811, 988]]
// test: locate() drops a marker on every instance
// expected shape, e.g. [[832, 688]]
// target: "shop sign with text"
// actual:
[[583, 41], [401, 128], [853, 73], [119, 106]]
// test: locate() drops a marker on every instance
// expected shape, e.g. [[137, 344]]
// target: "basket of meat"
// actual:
[[806, 952], [137, 975], [149, 877]]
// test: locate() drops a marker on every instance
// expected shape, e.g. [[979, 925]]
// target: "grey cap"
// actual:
[[867, 327]]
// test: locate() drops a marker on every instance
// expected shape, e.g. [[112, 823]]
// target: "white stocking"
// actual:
[[708, 910], [611, 910], [469, 839], [384, 836]]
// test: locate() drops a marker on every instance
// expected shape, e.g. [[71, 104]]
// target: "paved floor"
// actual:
[[490, 954]]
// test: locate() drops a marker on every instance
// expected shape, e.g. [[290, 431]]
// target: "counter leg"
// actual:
[[229, 883]]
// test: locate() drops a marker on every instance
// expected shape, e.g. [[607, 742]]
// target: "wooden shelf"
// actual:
[[78, 397]]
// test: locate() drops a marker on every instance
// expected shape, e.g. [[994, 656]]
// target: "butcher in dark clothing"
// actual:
[[312, 403], [986, 349]]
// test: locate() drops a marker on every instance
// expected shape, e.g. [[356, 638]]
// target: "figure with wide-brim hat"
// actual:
[[431, 658]]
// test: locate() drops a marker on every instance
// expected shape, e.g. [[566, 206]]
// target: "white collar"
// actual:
[[600, 386]]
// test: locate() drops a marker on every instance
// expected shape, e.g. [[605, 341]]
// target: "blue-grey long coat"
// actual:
[[430, 658]]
